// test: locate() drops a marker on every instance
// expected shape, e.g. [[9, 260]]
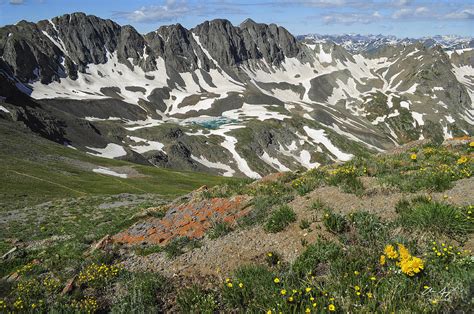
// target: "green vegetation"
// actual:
[[335, 222], [280, 219], [178, 246], [304, 224], [196, 300], [147, 250], [218, 230], [438, 217]]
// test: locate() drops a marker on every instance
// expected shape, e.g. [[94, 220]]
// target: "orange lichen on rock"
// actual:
[[190, 220]]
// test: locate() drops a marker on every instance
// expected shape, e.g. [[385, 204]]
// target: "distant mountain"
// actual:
[[242, 100], [357, 43]]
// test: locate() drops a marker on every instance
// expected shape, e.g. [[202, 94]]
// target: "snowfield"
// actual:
[[110, 151], [107, 171]]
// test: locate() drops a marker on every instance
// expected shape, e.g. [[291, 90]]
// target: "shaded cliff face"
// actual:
[[241, 100], [64, 45]]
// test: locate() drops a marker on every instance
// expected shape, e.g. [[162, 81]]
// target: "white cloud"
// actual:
[[401, 3], [171, 10], [467, 14], [351, 18], [412, 13], [168, 11]]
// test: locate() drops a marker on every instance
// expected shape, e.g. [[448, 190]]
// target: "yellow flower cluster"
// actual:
[[390, 252], [428, 151], [445, 251], [229, 284], [18, 304], [51, 284], [409, 264], [27, 286], [343, 170], [95, 272], [298, 182], [413, 157], [88, 305], [25, 269], [304, 296], [462, 160]]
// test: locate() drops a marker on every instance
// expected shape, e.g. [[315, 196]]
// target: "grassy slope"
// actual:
[[37, 171], [34, 170]]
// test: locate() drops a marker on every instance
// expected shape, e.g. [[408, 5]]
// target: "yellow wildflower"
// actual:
[[413, 157], [283, 292], [241, 285], [308, 310], [471, 144], [331, 307], [369, 295], [308, 289], [390, 252], [229, 284], [276, 280], [403, 251], [382, 260], [412, 265], [462, 160]]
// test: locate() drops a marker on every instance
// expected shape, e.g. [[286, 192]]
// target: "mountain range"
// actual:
[[243, 100], [356, 43]]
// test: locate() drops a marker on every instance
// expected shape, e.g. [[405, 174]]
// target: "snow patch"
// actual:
[[110, 151], [319, 137], [4, 109], [107, 171], [229, 172], [150, 145], [274, 162]]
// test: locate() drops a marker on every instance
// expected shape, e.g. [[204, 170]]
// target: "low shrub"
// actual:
[[280, 219]]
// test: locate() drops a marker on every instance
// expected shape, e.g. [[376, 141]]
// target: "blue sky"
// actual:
[[403, 18]]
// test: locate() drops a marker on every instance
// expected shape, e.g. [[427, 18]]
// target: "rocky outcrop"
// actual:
[[191, 219]]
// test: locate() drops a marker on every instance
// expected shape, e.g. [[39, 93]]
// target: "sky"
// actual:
[[402, 18]]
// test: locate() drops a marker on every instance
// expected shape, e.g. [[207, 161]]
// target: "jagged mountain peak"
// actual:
[[247, 22]]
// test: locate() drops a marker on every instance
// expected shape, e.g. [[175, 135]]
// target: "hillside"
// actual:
[[336, 238]]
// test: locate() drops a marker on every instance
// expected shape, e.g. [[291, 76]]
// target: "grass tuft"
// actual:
[[280, 219]]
